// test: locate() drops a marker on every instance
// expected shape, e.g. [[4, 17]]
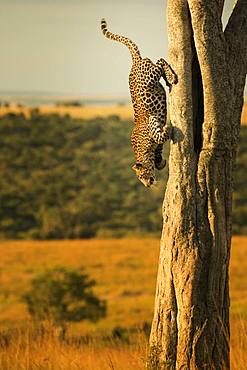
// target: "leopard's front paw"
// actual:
[[173, 78], [162, 63]]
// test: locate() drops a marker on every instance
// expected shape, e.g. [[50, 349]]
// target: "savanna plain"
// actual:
[[125, 272], [124, 269], [125, 111]]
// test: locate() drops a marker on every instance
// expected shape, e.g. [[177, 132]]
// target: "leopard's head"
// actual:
[[145, 173]]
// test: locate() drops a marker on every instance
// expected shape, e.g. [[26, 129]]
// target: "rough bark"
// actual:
[[190, 327]]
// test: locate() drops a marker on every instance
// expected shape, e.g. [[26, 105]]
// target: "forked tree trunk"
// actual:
[[190, 328]]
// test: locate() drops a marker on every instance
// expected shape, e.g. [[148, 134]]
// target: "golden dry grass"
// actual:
[[31, 351], [117, 265], [90, 112], [84, 112], [26, 352], [126, 272]]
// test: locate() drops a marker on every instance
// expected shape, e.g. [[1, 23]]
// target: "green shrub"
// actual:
[[61, 295]]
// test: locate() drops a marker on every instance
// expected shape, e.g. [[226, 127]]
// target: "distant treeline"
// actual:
[[68, 178]]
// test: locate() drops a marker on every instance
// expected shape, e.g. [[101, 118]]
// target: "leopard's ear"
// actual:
[[137, 166]]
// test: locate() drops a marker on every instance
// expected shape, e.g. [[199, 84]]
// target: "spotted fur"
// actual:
[[150, 111]]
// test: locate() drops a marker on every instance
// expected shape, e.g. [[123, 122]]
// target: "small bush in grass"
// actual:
[[63, 295]]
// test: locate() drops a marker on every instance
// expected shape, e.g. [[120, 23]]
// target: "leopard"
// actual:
[[148, 96]]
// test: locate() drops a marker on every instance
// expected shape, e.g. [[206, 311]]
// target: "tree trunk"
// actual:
[[190, 327]]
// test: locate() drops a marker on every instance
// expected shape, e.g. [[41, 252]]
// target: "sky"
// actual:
[[56, 46]]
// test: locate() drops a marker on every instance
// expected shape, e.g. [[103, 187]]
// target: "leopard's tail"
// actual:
[[134, 51]]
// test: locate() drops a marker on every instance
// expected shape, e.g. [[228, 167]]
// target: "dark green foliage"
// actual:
[[68, 178], [62, 295]]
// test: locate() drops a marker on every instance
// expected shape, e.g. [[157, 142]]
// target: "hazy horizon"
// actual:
[[56, 46]]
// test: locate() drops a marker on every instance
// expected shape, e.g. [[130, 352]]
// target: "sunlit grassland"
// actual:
[[124, 111], [84, 112], [125, 272], [123, 269]]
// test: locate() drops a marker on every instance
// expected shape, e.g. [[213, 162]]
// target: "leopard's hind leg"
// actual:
[[158, 133]]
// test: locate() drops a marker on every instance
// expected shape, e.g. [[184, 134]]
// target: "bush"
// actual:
[[61, 295]]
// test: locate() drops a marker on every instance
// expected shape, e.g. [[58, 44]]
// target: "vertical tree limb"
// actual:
[[191, 320]]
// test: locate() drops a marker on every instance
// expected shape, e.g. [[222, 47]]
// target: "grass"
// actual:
[[126, 274], [90, 112], [31, 350], [85, 112], [117, 265], [59, 356]]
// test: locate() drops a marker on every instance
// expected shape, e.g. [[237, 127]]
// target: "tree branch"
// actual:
[[211, 49], [236, 32], [206, 23]]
